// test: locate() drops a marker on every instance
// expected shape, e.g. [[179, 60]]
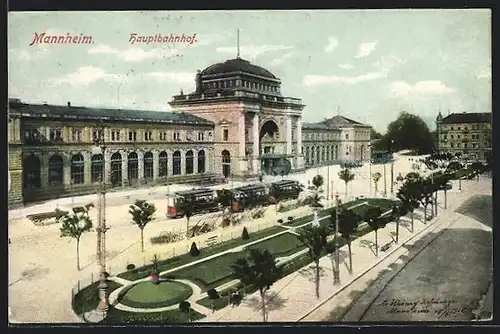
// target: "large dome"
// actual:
[[235, 65]]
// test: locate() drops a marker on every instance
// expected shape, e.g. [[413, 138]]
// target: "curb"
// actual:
[[368, 269]]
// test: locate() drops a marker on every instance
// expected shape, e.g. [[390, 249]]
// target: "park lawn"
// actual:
[[88, 298], [163, 265], [115, 316], [217, 271], [150, 295]]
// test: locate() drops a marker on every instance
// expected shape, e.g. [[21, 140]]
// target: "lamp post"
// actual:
[[370, 166], [101, 229], [336, 274], [385, 180], [392, 168]]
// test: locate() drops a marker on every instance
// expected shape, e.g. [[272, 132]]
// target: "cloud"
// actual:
[[314, 80], [86, 75], [387, 63], [364, 49], [346, 66], [180, 77], [281, 60], [252, 51], [333, 42], [418, 90], [136, 54]]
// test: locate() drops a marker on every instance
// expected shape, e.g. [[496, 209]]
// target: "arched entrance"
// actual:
[[201, 161], [116, 169], [96, 167], [189, 162], [31, 172], [176, 163], [226, 163], [148, 166], [56, 173], [133, 167], [162, 164], [77, 169]]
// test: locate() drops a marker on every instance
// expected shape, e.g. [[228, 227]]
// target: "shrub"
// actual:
[[258, 214], [244, 234], [194, 251], [280, 221], [226, 222], [167, 237], [130, 266], [184, 306], [235, 299], [213, 294], [290, 219]]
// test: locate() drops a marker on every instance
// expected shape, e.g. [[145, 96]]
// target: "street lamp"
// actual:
[[101, 229], [336, 274], [392, 168], [370, 170]]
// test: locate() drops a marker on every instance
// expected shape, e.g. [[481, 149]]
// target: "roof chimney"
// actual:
[[69, 103]]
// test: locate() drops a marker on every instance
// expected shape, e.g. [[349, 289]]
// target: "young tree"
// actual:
[[409, 194], [213, 295], [317, 188], [75, 224], [426, 188], [225, 200], [348, 225], [346, 176], [398, 211], [185, 307], [374, 219], [142, 213], [376, 177], [258, 269], [315, 239]]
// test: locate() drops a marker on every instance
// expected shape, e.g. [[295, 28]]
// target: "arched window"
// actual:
[[96, 168], [116, 169], [148, 166], [133, 166], [201, 161], [162, 164], [189, 162], [226, 163], [56, 173], [32, 172], [307, 155], [77, 169], [323, 154], [318, 154], [176, 163], [362, 151], [336, 152], [313, 152]]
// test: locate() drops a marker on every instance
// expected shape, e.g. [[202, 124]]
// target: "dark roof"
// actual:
[[250, 187], [70, 112], [196, 191], [285, 182], [341, 121], [316, 126], [237, 65], [468, 118]]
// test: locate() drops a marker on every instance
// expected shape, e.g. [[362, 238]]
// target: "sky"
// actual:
[[368, 65]]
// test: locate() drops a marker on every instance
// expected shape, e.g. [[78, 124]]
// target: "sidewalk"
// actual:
[[292, 297]]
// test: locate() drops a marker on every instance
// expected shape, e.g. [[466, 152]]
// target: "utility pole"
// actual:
[[370, 170], [103, 305], [336, 276], [392, 168]]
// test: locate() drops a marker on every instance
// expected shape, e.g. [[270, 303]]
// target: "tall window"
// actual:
[[77, 135], [31, 172], [176, 136], [132, 136], [176, 163], [55, 134], [148, 136], [225, 134], [97, 134], [116, 169], [201, 136], [189, 162], [201, 161], [77, 169], [115, 135], [133, 167], [226, 163], [163, 164], [97, 168], [56, 174], [148, 165]]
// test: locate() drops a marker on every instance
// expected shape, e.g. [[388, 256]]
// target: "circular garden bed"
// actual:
[[150, 295]]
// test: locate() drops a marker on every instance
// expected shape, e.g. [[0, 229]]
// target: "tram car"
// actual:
[[201, 200], [250, 196], [286, 189]]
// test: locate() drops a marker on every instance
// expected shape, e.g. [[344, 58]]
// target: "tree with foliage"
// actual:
[[244, 234], [185, 308], [315, 239], [373, 218], [426, 188], [409, 194], [398, 211], [225, 200], [213, 295], [441, 182], [142, 214], [75, 225], [346, 176], [317, 188], [258, 269], [376, 177], [420, 140], [194, 251], [348, 225]]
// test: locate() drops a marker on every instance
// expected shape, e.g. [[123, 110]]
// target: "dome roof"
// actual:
[[237, 64]]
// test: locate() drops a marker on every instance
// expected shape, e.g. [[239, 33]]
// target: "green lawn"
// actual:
[[217, 271], [87, 299], [183, 259], [115, 316], [150, 295]]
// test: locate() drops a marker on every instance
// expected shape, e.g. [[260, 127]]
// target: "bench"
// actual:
[[41, 218], [212, 240]]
